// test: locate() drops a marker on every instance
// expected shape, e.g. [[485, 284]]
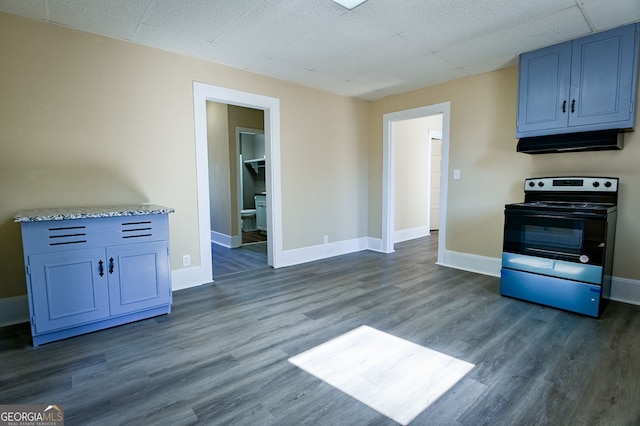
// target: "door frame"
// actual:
[[388, 171], [437, 135], [202, 93]]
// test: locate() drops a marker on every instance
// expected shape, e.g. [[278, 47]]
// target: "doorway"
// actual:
[[202, 93], [417, 157], [389, 172], [252, 189], [434, 159]]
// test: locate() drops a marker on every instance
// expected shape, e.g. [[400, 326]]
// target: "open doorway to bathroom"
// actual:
[[252, 189], [237, 188]]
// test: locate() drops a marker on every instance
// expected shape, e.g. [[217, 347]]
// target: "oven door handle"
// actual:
[[553, 252], [572, 215]]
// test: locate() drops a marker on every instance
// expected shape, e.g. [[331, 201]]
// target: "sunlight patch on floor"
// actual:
[[393, 376]]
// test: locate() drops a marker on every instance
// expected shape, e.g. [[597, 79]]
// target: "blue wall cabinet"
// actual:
[[261, 212], [88, 274], [582, 85]]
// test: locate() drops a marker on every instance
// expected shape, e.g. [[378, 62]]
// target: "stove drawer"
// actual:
[[560, 293], [555, 268]]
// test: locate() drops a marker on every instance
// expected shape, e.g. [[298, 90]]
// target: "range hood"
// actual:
[[572, 142]]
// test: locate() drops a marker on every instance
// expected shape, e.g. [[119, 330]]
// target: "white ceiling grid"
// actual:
[[379, 48]]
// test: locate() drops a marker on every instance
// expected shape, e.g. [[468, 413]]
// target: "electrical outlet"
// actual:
[[326, 239], [456, 174], [186, 260]]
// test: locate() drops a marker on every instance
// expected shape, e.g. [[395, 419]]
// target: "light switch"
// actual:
[[456, 174]]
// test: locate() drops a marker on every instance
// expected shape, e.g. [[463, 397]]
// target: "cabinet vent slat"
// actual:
[[67, 235], [139, 229], [68, 242], [65, 228]]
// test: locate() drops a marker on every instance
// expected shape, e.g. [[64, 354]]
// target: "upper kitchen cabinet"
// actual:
[[581, 85]]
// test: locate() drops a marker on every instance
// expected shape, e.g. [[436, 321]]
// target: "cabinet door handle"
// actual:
[[564, 106], [573, 106], [111, 265], [101, 268]]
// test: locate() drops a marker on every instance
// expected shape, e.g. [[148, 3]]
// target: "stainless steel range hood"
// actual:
[[572, 142]]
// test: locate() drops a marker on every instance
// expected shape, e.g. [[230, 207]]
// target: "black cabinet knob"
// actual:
[[596, 184], [607, 184]]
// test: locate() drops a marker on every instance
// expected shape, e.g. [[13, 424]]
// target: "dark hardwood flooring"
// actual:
[[227, 261], [253, 237], [220, 358]]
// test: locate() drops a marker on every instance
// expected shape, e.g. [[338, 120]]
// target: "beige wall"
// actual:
[[88, 120], [482, 146], [222, 120], [218, 147]]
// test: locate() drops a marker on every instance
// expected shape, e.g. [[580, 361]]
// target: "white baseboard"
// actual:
[[410, 234], [229, 241], [323, 251], [14, 310], [374, 244], [472, 262], [188, 277], [625, 290]]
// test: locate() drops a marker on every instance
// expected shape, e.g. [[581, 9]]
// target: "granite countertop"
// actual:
[[41, 215]]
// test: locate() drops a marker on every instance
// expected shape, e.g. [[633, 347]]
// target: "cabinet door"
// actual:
[[603, 77], [261, 215], [543, 89], [67, 289], [139, 276]]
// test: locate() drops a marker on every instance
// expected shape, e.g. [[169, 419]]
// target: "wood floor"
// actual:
[[220, 358], [248, 257]]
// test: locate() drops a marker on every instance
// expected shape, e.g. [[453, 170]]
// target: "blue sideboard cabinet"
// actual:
[[89, 269], [581, 85]]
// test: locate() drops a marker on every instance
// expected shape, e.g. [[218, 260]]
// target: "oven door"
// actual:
[[559, 244], [572, 237]]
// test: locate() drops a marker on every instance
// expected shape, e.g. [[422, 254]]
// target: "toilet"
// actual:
[[248, 219]]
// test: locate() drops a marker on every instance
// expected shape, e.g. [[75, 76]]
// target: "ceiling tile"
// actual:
[[373, 57], [565, 25], [168, 40], [333, 41], [491, 65], [28, 8], [277, 24], [199, 18], [606, 14], [379, 48], [129, 9], [94, 20], [420, 72]]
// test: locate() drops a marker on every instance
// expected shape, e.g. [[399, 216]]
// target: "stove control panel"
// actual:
[[572, 184]]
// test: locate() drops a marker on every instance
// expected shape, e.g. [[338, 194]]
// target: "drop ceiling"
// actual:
[[379, 48]]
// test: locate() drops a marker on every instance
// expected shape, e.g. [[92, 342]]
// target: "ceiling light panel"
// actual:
[[349, 4]]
